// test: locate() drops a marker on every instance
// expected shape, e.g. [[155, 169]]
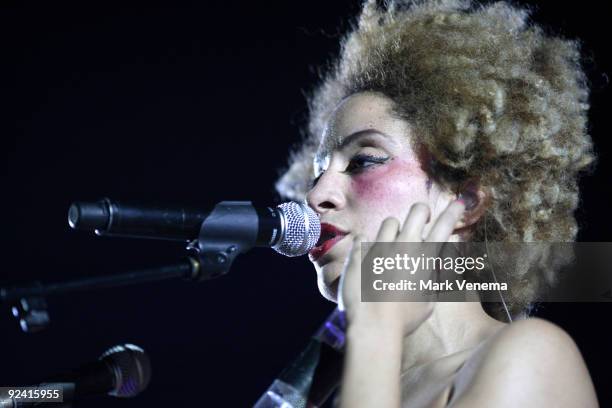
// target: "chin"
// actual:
[[329, 292], [328, 278]]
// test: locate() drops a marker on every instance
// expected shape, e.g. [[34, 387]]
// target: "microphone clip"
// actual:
[[218, 245]]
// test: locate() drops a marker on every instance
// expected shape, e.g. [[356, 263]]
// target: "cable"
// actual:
[[493, 272]]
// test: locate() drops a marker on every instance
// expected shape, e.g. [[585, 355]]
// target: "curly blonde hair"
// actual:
[[490, 96]]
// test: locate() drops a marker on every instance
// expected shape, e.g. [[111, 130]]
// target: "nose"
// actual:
[[327, 194]]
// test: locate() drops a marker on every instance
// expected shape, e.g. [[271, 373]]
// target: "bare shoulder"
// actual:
[[530, 363]]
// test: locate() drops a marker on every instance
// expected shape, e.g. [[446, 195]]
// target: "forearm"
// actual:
[[371, 376]]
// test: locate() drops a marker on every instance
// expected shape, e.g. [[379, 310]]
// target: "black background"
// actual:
[[194, 103]]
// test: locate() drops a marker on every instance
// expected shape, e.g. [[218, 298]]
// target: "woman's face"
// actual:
[[366, 171]]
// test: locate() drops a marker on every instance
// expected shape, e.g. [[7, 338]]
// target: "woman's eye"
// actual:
[[362, 161], [357, 164]]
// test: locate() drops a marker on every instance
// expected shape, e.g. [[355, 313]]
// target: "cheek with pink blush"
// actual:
[[384, 183]]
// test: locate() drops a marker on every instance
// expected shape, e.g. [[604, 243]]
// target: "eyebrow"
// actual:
[[339, 145]]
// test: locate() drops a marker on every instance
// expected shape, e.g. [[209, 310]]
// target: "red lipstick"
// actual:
[[330, 234]]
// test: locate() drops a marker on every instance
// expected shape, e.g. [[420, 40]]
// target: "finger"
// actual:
[[445, 224], [415, 221], [388, 230], [354, 256], [352, 264]]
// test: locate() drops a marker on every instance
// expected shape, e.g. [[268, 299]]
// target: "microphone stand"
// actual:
[[216, 247], [30, 305], [309, 380]]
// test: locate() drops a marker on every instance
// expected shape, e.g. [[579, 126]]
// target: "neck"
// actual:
[[453, 327]]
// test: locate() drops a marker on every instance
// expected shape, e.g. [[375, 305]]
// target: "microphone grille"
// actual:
[[301, 229], [131, 369]]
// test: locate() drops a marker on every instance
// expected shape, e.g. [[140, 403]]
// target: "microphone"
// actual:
[[291, 228], [122, 371]]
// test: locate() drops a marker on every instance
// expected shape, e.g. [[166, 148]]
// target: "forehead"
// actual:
[[356, 113]]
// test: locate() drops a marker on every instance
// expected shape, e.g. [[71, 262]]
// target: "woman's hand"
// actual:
[[372, 364], [402, 317]]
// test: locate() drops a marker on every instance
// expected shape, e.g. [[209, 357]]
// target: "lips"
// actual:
[[329, 236]]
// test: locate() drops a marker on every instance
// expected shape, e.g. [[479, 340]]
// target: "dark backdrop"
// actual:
[[194, 103]]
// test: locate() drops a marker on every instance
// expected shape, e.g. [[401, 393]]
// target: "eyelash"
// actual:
[[353, 168]]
